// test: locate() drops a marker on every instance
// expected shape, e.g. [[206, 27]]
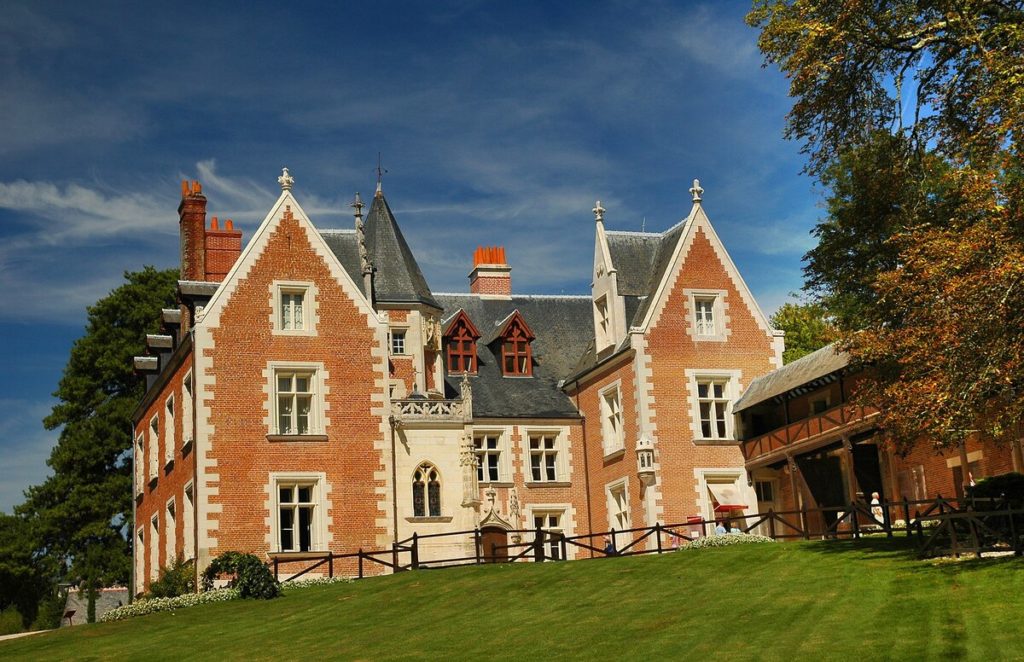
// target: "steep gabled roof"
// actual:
[[659, 265], [397, 277], [500, 328], [457, 316]]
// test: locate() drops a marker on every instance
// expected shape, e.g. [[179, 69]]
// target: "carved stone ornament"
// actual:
[[432, 334]]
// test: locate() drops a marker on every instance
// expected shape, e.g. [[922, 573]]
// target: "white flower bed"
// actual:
[[727, 539], [144, 606], [315, 581]]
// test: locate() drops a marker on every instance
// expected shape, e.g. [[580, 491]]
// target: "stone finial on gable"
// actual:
[[286, 180], [598, 212], [696, 191]]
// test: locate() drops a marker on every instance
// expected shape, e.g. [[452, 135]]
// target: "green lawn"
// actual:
[[868, 600]]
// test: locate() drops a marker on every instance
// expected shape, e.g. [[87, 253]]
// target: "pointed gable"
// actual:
[[397, 277], [460, 336]]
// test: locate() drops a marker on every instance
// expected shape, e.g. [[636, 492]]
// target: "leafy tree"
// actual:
[[24, 579], [910, 113], [79, 513], [807, 325]]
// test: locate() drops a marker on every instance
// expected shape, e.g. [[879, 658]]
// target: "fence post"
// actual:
[[887, 519], [476, 543], [360, 556], [657, 534], [906, 515], [771, 523], [803, 521], [952, 533], [1013, 533], [276, 578], [538, 545], [415, 551], [854, 520], [330, 564], [564, 546]]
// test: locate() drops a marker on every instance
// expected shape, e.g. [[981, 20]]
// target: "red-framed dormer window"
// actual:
[[516, 352], [460, 338]]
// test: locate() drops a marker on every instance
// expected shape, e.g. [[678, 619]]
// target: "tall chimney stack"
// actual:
[[491, 275], [223, 246], [192, 227]]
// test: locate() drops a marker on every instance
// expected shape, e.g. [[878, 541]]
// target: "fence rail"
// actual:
[[942, 526]]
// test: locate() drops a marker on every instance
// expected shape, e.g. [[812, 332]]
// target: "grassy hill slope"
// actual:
[[870, 600]]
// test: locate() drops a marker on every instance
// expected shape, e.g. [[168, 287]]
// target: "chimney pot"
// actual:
[[491, 274], [213, 223], [229, 225]]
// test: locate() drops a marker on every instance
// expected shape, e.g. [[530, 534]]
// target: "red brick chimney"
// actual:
[[491, 275], [192, 227], [222, 249]]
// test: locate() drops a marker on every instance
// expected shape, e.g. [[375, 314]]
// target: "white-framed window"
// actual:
[[170, 531], [712, 393], [550, 522], [612, 437], [545, 465], [618, 506], [602, 323], [139, 554], [186, 409], [713, 403], [707, 314], [296, 394], [140, 463], [426, 491], [294, 307], [169, 430], [188, 521], [154, 547], [154, 447], [398, 347], [704, 314], [298, 519], [492, 457]]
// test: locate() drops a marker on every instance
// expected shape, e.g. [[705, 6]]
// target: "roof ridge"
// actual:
[[514, 296], [639, 232], [336, 231]]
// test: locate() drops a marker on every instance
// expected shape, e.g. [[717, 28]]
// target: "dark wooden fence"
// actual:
[[942, 527]]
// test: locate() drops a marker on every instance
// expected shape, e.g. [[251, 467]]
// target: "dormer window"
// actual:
[[516, 352], [460, 338]]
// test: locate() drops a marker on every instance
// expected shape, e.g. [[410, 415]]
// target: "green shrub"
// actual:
[[249, 575], [11, 621], [176, 579], [1009, 486]]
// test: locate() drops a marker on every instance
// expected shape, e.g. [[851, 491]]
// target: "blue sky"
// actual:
[[500, 123]]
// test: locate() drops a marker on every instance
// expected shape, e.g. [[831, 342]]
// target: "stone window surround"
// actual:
[[504, 453], [562, 460], [719, 311], [620, 485], [318, 410], [732, 377], [566, 519], [310, 306], [619, 444], [319, 538]]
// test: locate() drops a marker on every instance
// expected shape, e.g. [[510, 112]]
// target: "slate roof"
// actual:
[[344, 245], [659, 266], [564, 327], [815, 365], [633, 255], [397, 277]]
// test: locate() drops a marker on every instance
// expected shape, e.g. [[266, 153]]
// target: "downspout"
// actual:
[[586, 463]]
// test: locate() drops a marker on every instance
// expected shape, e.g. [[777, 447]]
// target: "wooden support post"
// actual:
[[276, 576], [853, 521], [657, 533], [771, 523], [476, 544], [360, 557], [906, 515], [538, 545], [330, 564], [415, 562], [564, 546]]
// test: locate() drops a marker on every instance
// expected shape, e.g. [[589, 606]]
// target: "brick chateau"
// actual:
[[311, 393]]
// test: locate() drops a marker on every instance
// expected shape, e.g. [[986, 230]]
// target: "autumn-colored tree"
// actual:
[[911, 114]]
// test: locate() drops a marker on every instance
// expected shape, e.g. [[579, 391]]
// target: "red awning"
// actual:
[[726, 497]]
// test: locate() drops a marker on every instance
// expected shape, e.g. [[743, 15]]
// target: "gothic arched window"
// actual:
[[426, 491]]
